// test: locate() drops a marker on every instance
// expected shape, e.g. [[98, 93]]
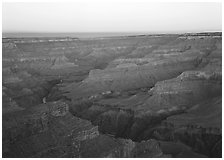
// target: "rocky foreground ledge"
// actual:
[[135, 96], [49, 130]]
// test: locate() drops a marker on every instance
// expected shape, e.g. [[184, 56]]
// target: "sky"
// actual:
[[111, 17]]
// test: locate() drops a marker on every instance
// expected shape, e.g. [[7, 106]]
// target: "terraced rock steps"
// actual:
[[49, 130]]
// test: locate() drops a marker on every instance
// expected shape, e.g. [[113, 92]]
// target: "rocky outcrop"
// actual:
[[187, 89], [62, 62], [42, 131], [49, 130]]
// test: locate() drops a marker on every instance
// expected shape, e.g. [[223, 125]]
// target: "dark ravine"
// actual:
[[123, 124]]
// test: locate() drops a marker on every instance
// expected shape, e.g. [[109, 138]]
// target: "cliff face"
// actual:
[[49, 130], [141, 96]]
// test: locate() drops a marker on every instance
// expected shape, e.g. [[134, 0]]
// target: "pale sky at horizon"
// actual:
[[111, 17]]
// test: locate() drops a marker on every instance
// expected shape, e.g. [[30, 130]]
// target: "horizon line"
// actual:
[[111, 31]]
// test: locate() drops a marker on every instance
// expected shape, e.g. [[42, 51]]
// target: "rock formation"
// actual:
[[133, 96]]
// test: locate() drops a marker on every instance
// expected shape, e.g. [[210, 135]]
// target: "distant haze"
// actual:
[[112, 17]]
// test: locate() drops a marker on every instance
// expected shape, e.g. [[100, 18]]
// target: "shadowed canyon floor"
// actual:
[[129, 96]]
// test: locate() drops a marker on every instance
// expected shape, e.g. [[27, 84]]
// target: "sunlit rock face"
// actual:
[[133, 96]]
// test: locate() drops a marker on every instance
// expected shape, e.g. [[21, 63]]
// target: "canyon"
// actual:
[[128, 96]]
